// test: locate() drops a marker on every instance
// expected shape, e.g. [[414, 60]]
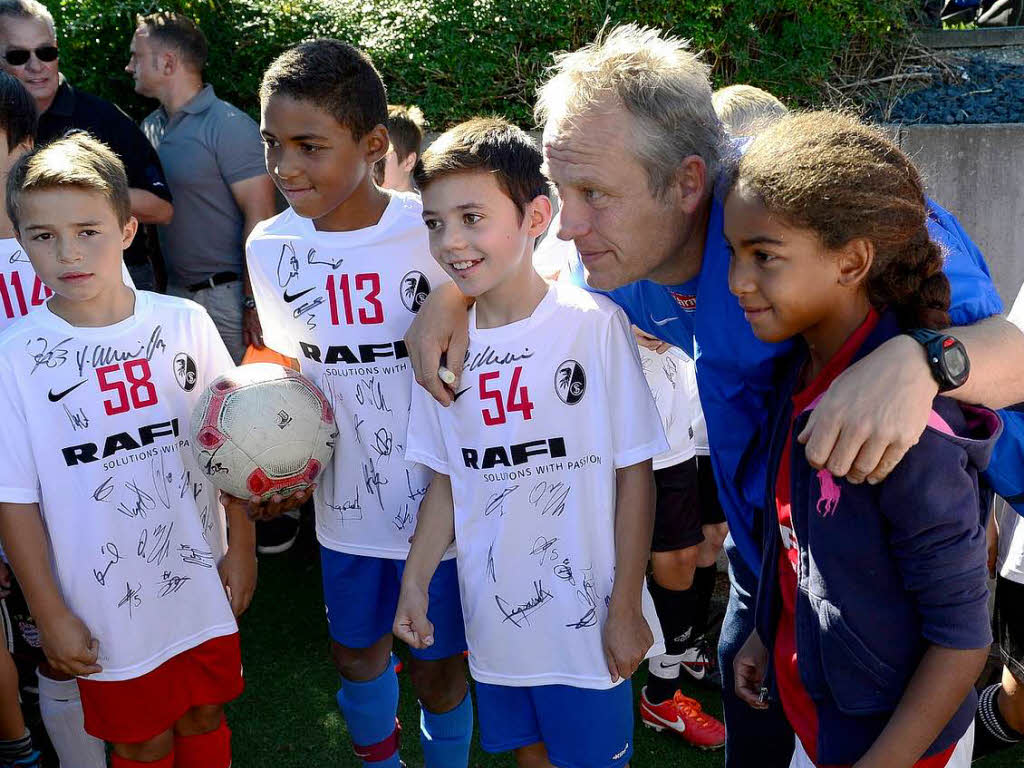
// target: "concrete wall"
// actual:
[[977, 172]]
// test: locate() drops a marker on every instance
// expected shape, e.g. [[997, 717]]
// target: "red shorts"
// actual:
[[136, 710]]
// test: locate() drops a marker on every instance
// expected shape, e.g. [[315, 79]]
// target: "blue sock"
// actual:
[[445, 738], [369, 710]]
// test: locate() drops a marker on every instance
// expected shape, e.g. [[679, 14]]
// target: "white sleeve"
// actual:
[[637, 433], [269, 306], [1016, 315], [19, 479], [424, 443]]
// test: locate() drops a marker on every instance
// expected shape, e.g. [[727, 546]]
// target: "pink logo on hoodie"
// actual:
[[830, 493]]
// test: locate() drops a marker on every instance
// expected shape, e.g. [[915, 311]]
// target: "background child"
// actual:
[[745, 110], [1000, 718], [872, 602], [337, 278], [546, 452], [98, 479], [405, 130], [677, 585]]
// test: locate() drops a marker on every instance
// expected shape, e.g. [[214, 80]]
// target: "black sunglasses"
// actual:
[[18, 56]]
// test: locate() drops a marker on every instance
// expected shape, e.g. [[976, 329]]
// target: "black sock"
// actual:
[[15, 749], [675, 609], [992, 732], [704, 585]]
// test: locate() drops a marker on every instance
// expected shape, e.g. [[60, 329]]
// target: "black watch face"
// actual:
[[955, 361]]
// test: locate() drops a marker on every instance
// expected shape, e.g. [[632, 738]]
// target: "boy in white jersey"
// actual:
[[97, 477], [547, 452], [337, 280]]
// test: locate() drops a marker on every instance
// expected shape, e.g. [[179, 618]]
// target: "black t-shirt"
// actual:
[[73, 109]]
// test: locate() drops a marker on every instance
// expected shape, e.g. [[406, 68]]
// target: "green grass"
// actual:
[[288, 718]]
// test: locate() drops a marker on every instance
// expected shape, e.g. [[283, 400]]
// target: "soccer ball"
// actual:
[[261, 430]]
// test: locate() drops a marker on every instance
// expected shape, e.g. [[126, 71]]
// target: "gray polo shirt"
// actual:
[[204, 148]]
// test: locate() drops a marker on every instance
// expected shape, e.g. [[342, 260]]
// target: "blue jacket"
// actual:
[[735, 370], [883, 571]]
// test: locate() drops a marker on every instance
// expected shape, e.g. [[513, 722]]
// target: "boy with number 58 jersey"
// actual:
[[115, 537], [546, 452]]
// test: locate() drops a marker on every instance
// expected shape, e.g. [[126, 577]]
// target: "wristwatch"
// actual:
[[248, 303], [947, 357]]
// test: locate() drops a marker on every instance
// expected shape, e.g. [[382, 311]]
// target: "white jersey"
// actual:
[[1011, 529], [96, 425], [547, 409], [700, 427], [667, 379], [1010, 560], [341, 302], [1016, 315], [20, 289]]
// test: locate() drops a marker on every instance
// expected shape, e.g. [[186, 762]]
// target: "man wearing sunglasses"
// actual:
[[29, 52]]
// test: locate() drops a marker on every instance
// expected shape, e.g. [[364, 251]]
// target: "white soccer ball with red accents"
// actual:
[[263, 429]]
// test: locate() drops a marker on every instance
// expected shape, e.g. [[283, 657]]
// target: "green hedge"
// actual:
[[457, 58]]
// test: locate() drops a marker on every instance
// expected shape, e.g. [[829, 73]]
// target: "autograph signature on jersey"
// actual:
[[44, 355], [589, 598], [350, 511], [496, 503], [109, 550], [550, 498], [489, 357], [370, 391], [288, 263], [102, 355], [373, 481], [132, 598], [169, 583], [520, 614]]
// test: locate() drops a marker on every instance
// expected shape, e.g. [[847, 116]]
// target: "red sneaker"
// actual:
[[685, 717]]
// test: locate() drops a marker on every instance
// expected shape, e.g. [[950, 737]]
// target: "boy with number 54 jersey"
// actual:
[[546, 452], [115, 537], [337, 279]]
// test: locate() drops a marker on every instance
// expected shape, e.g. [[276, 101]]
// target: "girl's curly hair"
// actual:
[[828, 172]]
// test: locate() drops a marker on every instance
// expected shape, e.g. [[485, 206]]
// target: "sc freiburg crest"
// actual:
[[570, 382], [185, 371], [415, 290]]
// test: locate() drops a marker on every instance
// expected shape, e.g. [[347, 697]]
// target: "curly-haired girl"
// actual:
[[872, 620]]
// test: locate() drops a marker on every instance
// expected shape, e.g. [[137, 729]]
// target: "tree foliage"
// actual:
[[458, 58]]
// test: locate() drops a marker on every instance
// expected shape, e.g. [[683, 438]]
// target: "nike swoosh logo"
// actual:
[[57, 397], [693, 672], [663, 322], [663, 665], [460, 393], [290, 297]]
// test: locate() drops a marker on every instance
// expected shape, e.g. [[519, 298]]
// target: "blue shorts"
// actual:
[[361, 595], [580, 727]]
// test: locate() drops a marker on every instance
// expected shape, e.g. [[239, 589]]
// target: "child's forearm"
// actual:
[[26, 547], [435, 531], [241, 527], [942, 681], [634, 526]]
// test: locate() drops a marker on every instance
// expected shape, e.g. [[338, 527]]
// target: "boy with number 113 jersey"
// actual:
[[115, 537], [546, 452], [338, 278]]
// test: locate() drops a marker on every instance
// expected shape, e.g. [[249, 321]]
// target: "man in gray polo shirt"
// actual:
[[212, 154]]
